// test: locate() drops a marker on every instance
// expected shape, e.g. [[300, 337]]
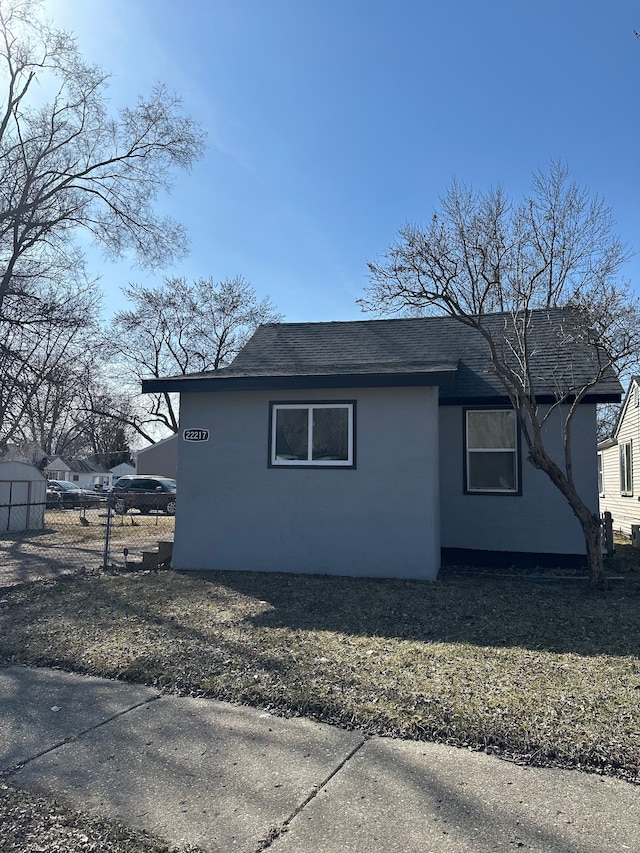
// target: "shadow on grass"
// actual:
[[561, 616], [133, 632], [480, 610]]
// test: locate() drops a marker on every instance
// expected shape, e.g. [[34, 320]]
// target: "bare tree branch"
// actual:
[[181, 327], [68, 165], [482, 254]]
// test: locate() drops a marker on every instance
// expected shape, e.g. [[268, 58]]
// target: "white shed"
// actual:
[[23, 494]]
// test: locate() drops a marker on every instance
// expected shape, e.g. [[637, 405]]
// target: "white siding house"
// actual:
[[619, 465], [80, 472]]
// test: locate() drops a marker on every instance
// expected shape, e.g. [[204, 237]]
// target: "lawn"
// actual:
[[36, 824], [537, 670]]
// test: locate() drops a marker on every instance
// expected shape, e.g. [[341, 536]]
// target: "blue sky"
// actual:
[[331, 123]]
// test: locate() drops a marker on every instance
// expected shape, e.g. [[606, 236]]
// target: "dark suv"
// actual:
[[148, 494]]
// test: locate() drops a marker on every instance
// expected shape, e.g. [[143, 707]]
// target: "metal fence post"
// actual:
[[107, 535]]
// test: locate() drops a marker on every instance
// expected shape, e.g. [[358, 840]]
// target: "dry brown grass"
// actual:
[[543, 671]]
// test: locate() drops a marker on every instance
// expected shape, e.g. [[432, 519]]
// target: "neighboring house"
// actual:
[[619, 464], [376, 448], [160, 458], [79, 471], [104, 481]]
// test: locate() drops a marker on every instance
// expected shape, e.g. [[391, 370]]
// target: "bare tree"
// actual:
[[556, 249], [608, 415], [55, 399], [100, 438], [66, 164], [41, 350], [181, 327]]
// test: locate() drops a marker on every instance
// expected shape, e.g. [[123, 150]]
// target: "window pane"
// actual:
[[600, 475], [292, 434], [491, 429], [622, 471], [492, 471], [331, 434], [626, 474]]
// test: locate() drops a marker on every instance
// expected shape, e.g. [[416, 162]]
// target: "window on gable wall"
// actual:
[[312, 434], [600, 475], [491, 451], [626, 468]]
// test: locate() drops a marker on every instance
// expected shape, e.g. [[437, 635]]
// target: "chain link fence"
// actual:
[[39, 541]]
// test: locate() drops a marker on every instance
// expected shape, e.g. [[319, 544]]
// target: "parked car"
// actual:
[[72, 495], [145, 493]]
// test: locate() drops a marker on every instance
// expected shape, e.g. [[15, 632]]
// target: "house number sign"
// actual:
[[196, 435]]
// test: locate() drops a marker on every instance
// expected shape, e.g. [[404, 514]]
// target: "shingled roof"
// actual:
[[414, 351]]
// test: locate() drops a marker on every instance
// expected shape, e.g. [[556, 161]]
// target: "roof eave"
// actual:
[[441, 378], [186, 384], [606, 443], [503, 399]]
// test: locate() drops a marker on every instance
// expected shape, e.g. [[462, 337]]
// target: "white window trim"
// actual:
[[309, 462], [468, 451], [626, 470]]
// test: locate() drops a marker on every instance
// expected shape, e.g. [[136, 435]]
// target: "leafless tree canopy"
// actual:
[[482, 253], [68, 165], [181, 327], [38, 354], [608, 415]]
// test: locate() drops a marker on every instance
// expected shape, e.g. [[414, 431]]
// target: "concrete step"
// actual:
[[160, 557]]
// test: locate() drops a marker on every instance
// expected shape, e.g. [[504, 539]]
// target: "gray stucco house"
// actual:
[[373, 448]]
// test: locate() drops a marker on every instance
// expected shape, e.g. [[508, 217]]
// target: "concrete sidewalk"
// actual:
[[230, 778]]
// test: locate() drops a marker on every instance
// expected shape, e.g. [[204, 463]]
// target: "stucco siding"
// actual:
[[539, 520], [380, 519]]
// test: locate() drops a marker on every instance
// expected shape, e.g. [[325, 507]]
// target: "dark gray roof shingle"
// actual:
[[426, 350]]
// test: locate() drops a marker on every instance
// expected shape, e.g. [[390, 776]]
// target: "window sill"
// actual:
[[493, 493]]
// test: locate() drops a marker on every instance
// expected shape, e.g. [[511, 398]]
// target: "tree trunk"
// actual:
[[589, 521], [592, 536]]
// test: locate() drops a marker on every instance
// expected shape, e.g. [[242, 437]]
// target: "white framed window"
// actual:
[[491, 452], [600, 475], [317, 434], [626, 468]]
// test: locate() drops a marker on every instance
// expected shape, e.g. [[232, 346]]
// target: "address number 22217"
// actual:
[[196, 435]]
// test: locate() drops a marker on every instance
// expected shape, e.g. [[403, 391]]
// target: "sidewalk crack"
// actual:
[[275, 832], [9, 771]]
